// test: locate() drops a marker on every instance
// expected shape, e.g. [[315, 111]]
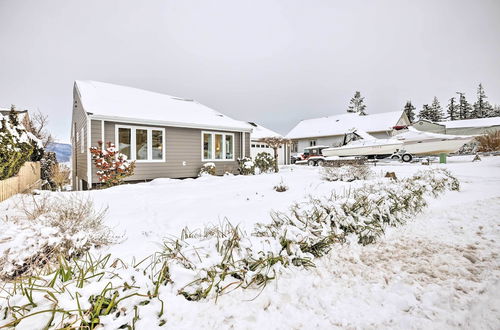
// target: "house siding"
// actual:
[[79, 159], [183, 155]]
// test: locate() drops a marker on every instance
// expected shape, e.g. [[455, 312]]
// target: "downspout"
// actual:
[[89, 158]]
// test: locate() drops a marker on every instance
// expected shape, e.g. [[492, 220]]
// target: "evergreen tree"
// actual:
[[13, 116], [496, 111], [425, 113], [452, 109], [436, 113], [482, 108], [409, 109], [464, 107], [357, 104]]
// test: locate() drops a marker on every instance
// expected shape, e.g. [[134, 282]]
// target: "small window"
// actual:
[[295, 147], [218, 146], [207, 146], [141, 144], [253, 145], [124, 141], [157, 141], [312, 143], [229, 146]]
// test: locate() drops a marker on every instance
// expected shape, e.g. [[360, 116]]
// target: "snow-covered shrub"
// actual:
[[207, 169], [264, 162], [46, 227], [281, 187], [112, 166], [16, 145], [89, 293], [347, 173], [220, 259], [438, 180], [246, 166], [489, 141]]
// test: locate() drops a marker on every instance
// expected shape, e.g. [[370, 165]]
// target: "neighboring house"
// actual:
[[167, 136], [459, 127], [329, 131], [257, 146]]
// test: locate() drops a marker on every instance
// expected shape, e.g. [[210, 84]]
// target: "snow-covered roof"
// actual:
[[115, 102], [21, 114], [479, 122], [340, 124], [260, 132]]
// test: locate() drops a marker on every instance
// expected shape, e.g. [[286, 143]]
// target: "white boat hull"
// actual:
[[433, 147], [384, 149]]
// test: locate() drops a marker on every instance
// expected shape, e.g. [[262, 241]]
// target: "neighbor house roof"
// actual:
[[121, 103], [260, 132], [340, 124], [479, 122]]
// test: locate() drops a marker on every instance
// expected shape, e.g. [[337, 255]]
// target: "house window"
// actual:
[[82, 139], [312, 143], [253, 145], [124, 141], [143, 144], [295, 147], [217, 146]]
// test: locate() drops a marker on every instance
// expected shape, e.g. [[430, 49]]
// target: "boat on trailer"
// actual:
[[360, 143]]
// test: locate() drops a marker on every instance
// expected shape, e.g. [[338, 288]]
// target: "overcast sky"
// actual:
[[272, 62]]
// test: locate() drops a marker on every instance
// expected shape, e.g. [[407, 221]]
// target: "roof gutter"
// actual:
[[165, 123]]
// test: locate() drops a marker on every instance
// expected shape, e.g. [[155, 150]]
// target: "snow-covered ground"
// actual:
[[441, 270]]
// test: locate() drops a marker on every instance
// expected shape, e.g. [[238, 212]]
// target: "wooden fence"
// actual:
[[27, 179]]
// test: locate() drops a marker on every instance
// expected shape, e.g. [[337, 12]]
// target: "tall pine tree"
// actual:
[[482, 108], [425, 113], [436, 111], [464, 107], [453, 109], [357, 104], [409, 109]]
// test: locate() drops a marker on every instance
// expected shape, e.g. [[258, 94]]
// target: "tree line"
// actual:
[[458, 108]]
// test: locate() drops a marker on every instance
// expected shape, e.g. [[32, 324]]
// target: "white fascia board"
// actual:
[[166, 123]]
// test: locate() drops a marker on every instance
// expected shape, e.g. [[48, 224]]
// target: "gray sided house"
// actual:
[[460, 127], [168, 137], [329, 131]]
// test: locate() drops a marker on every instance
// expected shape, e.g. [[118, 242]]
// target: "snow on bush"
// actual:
[[222, 259], [112, 166], [246, 166], [207, 169], [347, 173], [265, 162], [281, 187], [87, 294], [44, 228], [17, 146]]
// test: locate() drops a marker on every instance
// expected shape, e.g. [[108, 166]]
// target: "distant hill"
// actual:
[[62, 150]]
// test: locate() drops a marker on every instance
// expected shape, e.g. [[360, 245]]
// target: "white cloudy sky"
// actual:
[[273, 62]]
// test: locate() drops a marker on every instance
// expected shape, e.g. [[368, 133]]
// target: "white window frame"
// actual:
[[213, 133], [82, 141], [133, 151]]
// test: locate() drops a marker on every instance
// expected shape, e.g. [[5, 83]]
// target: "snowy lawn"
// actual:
[[441, 270]]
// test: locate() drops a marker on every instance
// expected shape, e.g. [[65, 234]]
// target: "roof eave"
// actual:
[[165, 123]]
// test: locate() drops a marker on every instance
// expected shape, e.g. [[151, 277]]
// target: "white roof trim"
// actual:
[[164, 123]]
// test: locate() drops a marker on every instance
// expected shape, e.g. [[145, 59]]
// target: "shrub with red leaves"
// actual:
[[112, 166]]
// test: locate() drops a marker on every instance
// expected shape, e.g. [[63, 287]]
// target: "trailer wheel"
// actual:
[[395, 157], [320, 162], [407, 158], [311, 162]]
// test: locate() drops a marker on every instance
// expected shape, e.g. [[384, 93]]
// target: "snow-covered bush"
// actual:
[[207, 169], [246, 166], [112, 166], [46, 227], [346, 173], [489, 141], [16, 146], [264, 162], [224, 258]]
